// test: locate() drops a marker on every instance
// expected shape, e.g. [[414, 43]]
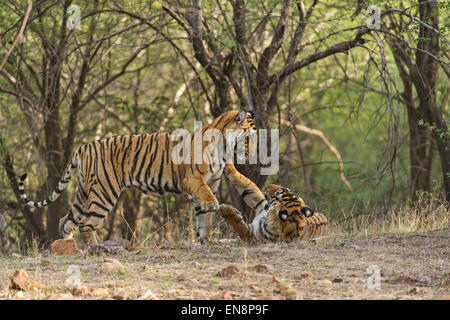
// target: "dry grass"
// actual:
[[407, 243]]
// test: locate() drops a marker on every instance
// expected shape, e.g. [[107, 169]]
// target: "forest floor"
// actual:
[[410, 265]]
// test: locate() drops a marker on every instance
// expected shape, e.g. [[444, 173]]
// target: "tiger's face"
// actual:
[[240, 127], [288, 214]]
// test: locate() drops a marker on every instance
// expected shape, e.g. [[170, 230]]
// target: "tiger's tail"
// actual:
[[58, 190]]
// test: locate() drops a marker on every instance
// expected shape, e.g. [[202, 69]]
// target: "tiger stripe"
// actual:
[[285, 218]]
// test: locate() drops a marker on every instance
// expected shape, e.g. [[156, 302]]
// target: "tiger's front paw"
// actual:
[[230, 214]]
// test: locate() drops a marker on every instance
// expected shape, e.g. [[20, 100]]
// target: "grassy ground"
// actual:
[[412, 266]]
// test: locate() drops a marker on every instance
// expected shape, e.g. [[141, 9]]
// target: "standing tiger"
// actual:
[[284, 218], [145, 162]]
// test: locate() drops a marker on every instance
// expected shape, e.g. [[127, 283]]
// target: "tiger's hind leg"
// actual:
[[71, 221], [99, 204]]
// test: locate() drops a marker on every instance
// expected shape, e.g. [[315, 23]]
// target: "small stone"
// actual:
[[229, 271], [21, 281], [64, 247]]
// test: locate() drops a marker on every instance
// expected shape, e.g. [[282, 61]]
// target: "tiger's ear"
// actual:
[[240, 116], [307, 212], [251, 114]]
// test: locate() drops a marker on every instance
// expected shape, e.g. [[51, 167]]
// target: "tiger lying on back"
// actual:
[[285, 218], [144, 161]]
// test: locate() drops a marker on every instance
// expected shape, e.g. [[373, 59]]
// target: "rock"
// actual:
[[110, 247], [306, 274], [423, 280], [21, 281], [261, 268], [229, 271], [64, 247], [111, 265]]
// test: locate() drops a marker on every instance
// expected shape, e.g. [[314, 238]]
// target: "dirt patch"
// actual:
[[343, 268]]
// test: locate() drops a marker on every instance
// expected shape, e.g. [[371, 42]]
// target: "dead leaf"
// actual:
[[285, 290], [417, 290], [227, 296], [148, 295], [324, 239], [445, 298], [337, 280], [325, 282], [403, 279], [423, 280], [229, 271], [64, 247], [46, 262], [261, 268], [110, 247], [21, 281], [256, 288], [306, 274], [357, 280], [120, 294], [111, 265], [445, 283], [265, 296]]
